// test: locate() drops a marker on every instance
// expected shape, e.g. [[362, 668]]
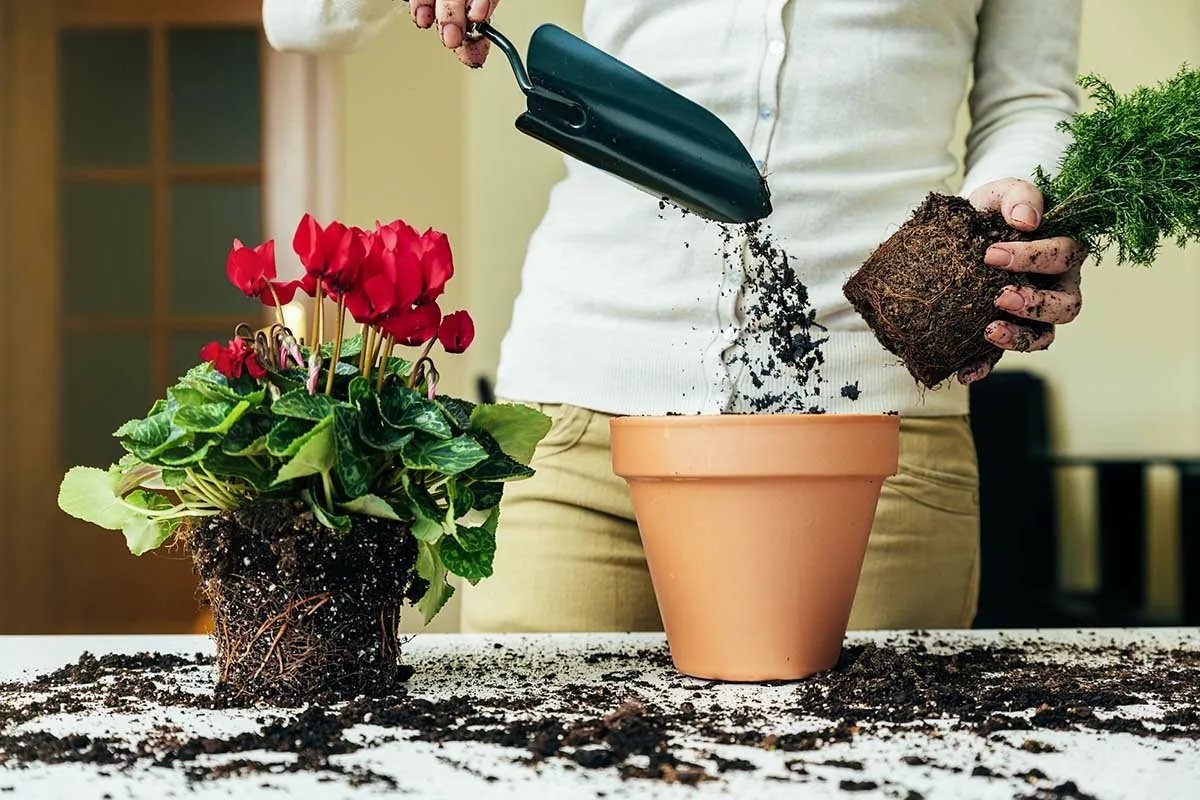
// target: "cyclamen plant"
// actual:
[[345, 425]]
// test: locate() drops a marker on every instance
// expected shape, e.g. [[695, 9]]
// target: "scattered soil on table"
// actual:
[[299, 614], [625, 723], [927, 294]]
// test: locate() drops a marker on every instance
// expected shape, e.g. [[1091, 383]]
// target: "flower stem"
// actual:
[[418, 368], [376, 343], [388, 345], [314, 341], [362, 352], [337, 345], [278, 307], [327, 485]]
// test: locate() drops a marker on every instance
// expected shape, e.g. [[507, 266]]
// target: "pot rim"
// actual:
[[697, 420]]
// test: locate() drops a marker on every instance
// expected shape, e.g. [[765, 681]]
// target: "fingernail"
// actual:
[[1010, 300], [447, 29], [998, 257], [1026, 215], [476, 8], [424, 16], [998, 333]]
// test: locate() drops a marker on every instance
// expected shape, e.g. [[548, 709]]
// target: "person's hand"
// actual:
[[1021, 204], [453, 17]]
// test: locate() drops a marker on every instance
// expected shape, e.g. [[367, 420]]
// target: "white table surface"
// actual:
[[1107, 765]]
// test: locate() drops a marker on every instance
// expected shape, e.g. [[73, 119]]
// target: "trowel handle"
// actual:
[[497, 38]]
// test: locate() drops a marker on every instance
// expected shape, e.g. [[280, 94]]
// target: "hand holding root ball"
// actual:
[[1022, 205], [454, 18]]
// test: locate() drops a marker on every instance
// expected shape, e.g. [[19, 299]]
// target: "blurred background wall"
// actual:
[[418, 136]]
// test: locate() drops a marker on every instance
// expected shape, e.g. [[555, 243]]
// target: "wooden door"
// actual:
[[131, 155]]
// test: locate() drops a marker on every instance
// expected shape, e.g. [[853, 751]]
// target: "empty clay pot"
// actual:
[[755, 528]]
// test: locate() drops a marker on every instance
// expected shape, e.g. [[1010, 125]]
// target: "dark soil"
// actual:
[[299, 614], [927, 294], [781, 341], [625, 724]]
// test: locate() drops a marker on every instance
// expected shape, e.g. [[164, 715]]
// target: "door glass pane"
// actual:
[[205, 219], [214, 80], [105, 96], [185, 348], [106, 235], [105, 382]]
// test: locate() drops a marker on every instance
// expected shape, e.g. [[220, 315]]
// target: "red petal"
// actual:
[[457, 332], [266, 254], [407, 281], [210, 352], [255, 367], [244, 269], [307, 243], [415, 326], [437, 263], [346, 264]]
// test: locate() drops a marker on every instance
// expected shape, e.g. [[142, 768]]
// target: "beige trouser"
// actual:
[[569, 557]]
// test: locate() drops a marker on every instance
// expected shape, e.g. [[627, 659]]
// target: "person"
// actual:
[[850, 111]]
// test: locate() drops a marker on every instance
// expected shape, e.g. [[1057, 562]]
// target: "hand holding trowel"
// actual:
[[603, 112]]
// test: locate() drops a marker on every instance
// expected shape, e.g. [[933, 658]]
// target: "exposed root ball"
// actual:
[[927, 294], [300, 612]]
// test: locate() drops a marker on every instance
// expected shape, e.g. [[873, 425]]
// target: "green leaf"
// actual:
[[471, 552], [359, 390], [315, 456], [288, 436], [458, 411], [370, 505], [184, 395], [173, 478], [248, 436], [487, 495], [427, 530], [516, 428], [302, 405], [352, 467], [192, 453], [378, 433], [405, 408], [211, 417], [335, 522], [445, 456], [431, 568], [215, 386], [351, 349], [462, 499], [498, 466], [143, 534], [147, 438], [227, 466], [89, 494]]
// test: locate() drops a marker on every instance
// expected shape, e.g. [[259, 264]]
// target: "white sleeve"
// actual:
[[1025, 61], [314, 26]]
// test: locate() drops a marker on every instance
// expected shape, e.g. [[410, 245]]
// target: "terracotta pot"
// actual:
[[755, 528]]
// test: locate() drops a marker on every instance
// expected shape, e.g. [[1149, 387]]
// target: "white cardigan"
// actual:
[[850, 108]]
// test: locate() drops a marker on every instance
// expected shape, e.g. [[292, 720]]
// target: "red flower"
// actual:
[[331, 254], [437, 264], [432, 249], [390, 281], [457, 332], [231, 361], [414, 326], [253, 272]]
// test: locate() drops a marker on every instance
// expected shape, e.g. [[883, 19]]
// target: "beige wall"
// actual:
[[430, 141]]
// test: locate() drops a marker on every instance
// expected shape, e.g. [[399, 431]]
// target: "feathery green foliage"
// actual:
[[1131, 176]]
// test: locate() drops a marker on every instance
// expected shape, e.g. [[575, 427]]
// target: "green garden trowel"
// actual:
[[603, 112]]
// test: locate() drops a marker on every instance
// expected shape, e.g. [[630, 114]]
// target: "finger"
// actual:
[[1010, 336], [422, 12], [474, 52], [1045, 256], [974, 373], [1043, 305], [481, 10], [1019, 201], [452, 22]]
